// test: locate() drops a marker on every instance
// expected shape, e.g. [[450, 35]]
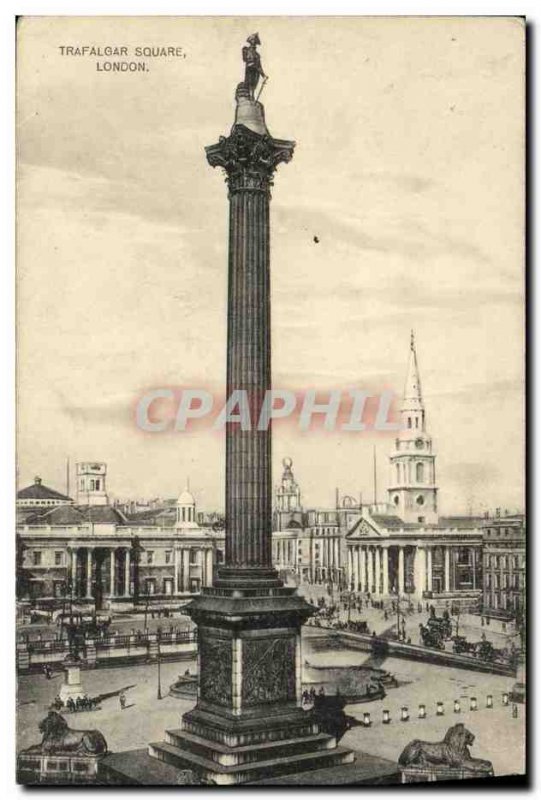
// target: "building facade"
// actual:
[[504, 562], [97, 555]]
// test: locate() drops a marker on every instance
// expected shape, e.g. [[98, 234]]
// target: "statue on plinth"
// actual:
[[452, 753], [252, 70], [58, 737], [63, 755]]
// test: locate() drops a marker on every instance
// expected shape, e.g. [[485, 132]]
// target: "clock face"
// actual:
[[419, 444]]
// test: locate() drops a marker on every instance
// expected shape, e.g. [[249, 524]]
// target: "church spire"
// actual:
[[413, 398], [412, 489]]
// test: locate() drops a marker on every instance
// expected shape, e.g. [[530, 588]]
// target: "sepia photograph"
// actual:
[[271, 404]]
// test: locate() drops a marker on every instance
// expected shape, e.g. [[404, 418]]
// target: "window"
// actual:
[[150, 556], [420, 519], [420, 472], [420, 500], [194, 556], [97, 486], [37, 559], [409, 422], [398, 473], [58, 558], [168, 554]]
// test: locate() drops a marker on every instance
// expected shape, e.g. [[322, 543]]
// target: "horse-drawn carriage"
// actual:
[[432, 636], [461, 646], [440, 624]]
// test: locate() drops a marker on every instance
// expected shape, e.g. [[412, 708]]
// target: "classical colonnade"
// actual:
[[114, 565], [369, 568]]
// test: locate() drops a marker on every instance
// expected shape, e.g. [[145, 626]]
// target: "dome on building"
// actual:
[[186, 510], [186, 498]]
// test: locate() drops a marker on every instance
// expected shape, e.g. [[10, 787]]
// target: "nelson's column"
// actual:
[[248, 723]]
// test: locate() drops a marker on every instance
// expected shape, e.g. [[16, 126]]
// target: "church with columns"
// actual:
[[404, 546], [401, 546], [93, 552]]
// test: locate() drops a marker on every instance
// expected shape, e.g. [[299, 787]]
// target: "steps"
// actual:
[[234, 756], [254, 762]]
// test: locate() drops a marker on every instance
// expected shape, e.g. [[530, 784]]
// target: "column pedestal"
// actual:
[[72, 686], [249, 723]]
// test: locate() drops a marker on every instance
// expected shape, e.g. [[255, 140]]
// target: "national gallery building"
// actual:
[[98, 555]]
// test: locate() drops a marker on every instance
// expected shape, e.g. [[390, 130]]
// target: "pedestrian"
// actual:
[[122, 701]]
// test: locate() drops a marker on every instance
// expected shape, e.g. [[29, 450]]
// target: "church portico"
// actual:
[[422, 568]]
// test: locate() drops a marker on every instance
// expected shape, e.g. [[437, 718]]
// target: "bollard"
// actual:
[[366, 719], [422, 711], [473, 703], [505, 698], [489, 701], [515, 711], [456, 708], [404, 714], [386, 717], [439, 709]]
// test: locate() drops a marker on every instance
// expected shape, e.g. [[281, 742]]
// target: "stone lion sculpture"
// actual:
[[59, 738], [453, 752]]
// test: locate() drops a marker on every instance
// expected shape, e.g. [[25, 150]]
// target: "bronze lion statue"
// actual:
[[453, 752], [58, 737]]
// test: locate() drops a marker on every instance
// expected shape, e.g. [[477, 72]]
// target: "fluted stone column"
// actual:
[[429, 569], [447, 584], [370, 557], [400, 570], [112, 571], [89, 572], [377, 575], [74, 571], [127, 573], [176, 568], [385, 564], [249, 160], [363, 569]]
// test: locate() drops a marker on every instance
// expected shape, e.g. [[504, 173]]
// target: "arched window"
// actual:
[[398, 473], [409, 422], [97, 486], [420, 472], [91, 485]]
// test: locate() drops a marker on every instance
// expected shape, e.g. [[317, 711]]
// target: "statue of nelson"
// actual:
[[253, 68]]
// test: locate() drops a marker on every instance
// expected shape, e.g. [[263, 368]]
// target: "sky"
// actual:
[[408, 169]]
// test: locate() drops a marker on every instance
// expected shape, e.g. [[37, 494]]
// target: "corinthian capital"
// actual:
[[249, 158]]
